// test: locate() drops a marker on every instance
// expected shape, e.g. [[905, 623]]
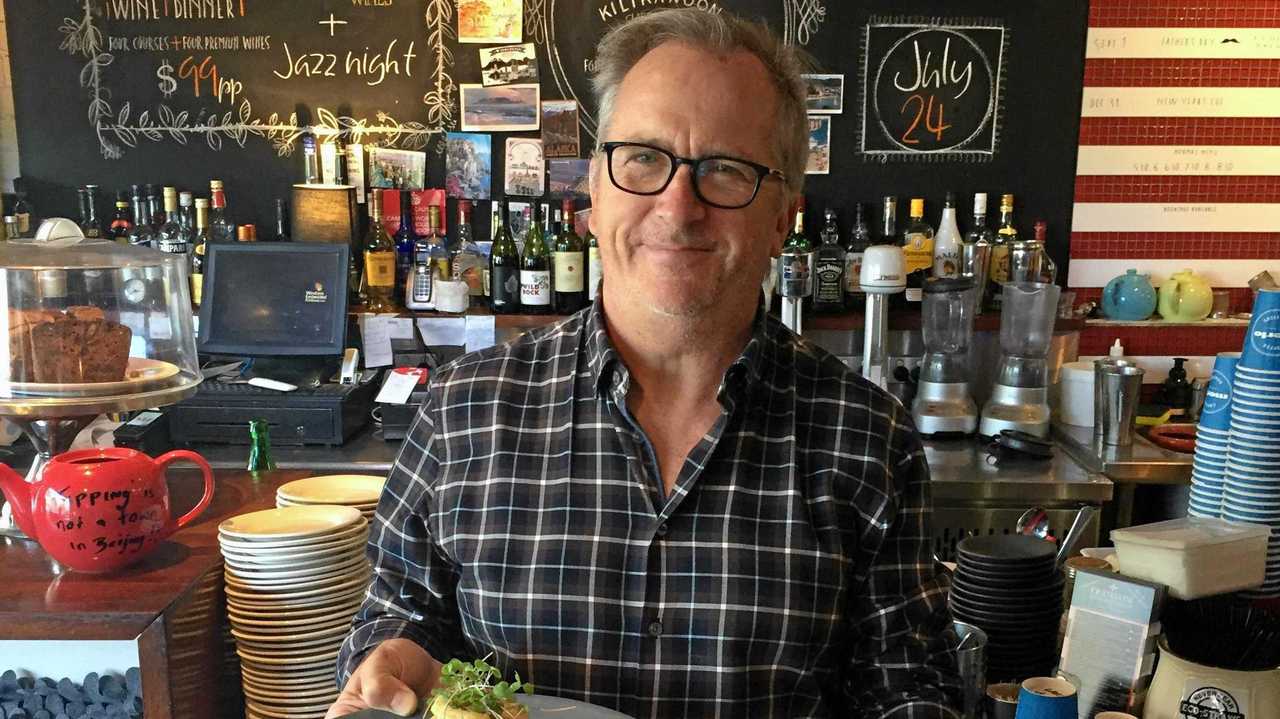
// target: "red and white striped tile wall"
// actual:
[[1179, 163]]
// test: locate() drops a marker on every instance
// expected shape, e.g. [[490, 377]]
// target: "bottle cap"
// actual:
[[122, 205], [215, 184], [1006, 201], [170, 192], [1117, 349], [979, 203], [202, 202], [246, 233], [917, 207], [184, 199]]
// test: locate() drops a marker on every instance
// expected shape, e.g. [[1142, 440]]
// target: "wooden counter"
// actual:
[[171, 602]]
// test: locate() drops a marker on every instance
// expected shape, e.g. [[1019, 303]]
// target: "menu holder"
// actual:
[[1110, 638]]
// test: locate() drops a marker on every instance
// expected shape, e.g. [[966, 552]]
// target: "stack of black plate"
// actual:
[[1010, 587]]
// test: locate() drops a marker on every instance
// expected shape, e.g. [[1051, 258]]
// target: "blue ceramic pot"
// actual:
[[1129, 297]]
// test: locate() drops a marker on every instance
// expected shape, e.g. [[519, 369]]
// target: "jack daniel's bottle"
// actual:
[[829, 268]]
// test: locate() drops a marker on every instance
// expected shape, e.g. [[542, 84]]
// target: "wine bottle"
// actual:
[[535, 270], [1006, 235], [221, 229], [859, 240], [406, 239], [468, 261], [504, 267], [121, 224], [796, 261], [379, 261], [569, 260], [198, 252], [282, 232]]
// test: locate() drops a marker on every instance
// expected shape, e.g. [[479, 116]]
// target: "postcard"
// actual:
[[560, 128], [569, 177], [525, 169], [468, 160], [507, 64], [819, 145], [490, 21], [825, 94], [398, 169], [510, 108]]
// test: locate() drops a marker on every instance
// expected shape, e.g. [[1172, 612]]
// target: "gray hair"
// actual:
[[719, 33]]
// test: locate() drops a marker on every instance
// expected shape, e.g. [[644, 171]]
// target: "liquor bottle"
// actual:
[[859, 240], [570, 261], [1048, 269], [310, 160], [917, 251], [260, 447], [161, 214], [829, 266], [430, 264], [282, 232], [504, 267], [89, 223], [405, 238], [141, 234], [796, 261], [946, 245], [25, 215], [198, 252], [221, 229], [889, 221], [595, 271], [468, 261], [535, 271], [379, 261], [169, 238], [121, 225], [1006, 235], [982, 235]]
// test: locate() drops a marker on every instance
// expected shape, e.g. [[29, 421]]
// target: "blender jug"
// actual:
[[1020, 398], [943, 405]]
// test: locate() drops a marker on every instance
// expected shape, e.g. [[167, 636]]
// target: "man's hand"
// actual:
[[394, 676]]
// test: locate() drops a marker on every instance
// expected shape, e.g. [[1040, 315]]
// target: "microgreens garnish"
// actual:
[[476, 686]]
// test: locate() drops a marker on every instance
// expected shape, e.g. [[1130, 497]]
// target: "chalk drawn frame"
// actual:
[[115, 132], [868, 97]]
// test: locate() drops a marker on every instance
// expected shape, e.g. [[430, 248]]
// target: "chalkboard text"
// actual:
[[175, 9], [374, 66], [930, 77]]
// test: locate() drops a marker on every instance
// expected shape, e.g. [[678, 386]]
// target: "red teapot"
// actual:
[[99, 510]]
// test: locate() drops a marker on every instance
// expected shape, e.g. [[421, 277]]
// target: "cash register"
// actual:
[[278, 312]]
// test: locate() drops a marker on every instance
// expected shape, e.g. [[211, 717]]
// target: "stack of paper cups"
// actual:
[[1251, 490], [1209, 468]]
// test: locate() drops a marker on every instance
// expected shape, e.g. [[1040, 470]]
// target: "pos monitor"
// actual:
[[282, 299]]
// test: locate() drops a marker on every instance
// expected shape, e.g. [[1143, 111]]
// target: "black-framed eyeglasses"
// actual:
[[729, 183]]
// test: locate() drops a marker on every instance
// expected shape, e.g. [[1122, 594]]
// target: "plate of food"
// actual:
[[476, 690]]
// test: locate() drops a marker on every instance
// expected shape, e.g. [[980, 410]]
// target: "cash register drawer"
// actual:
[[293, 419]]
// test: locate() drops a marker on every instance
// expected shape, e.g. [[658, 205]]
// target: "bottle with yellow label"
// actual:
[[917, 251], [379, 262], [1006, 235], [198, 254]]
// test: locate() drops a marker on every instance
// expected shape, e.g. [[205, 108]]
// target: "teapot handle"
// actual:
[[162, 463]]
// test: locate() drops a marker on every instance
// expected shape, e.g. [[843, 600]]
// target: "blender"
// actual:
[[943, 406], [1020, 398]]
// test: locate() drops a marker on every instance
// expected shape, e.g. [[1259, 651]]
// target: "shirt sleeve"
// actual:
[[901, 667], [412, 592]]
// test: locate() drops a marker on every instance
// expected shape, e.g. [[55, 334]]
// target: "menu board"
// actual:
[[176, 92]]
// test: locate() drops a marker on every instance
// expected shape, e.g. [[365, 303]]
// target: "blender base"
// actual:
[[944, 408], [1024, 409]]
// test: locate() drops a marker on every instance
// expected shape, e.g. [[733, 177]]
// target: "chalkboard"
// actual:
[[107, 94]]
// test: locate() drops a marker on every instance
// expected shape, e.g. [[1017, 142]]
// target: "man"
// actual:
[[667, 505]]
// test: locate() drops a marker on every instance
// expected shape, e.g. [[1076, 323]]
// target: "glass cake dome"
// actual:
[[94, 326]]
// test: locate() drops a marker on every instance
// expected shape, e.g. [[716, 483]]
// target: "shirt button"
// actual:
[[655, 629], [662, 529]]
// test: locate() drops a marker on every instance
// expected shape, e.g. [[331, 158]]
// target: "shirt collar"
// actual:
[[604, 362]]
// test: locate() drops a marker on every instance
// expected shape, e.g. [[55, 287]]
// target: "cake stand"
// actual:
[[52, 422]]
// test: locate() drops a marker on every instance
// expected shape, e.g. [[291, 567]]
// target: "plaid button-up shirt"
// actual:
[[787, 575]]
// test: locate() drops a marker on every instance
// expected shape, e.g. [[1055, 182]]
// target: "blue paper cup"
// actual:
[[1262, 340], [1047, 698], [1217, 400]]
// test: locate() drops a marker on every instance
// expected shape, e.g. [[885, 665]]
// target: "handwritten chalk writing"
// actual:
[[614, 8], [941, 77], [127, 543], [375, 66], [221, 87], [92, 498], [176, 9], [373, 3]]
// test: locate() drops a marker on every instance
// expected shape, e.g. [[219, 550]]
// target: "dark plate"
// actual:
[[1032, 574], [1039, 598], [1003, 615], [1006, 549], [995, 623]]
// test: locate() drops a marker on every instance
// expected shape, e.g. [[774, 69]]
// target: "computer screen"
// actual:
[[264, 299]]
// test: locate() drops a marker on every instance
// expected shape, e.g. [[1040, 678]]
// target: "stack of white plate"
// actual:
[[295, 577], [350, 490]]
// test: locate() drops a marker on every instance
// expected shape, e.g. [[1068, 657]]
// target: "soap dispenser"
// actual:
[[1176, 390]]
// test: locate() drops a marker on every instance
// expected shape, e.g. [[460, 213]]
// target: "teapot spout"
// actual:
[[18, 492]]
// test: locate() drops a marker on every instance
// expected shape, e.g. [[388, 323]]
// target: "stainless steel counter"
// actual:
[[1140, 463], [959, 469]]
